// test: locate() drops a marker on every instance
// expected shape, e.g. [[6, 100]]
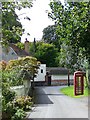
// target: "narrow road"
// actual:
[[51, 103]]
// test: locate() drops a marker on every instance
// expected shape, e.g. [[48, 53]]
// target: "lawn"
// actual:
[[69, 91]]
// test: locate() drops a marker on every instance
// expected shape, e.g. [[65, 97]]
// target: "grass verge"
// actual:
[[69, 91]]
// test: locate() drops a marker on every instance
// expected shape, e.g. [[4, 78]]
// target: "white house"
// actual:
[[41, 73], [59, 76]]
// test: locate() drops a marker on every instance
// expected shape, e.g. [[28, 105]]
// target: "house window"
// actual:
[[41, 70]]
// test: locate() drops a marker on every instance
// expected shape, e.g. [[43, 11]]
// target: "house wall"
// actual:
[[61, 79], [41, 73]]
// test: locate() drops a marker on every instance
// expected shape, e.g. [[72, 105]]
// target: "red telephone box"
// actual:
[[78, 83]]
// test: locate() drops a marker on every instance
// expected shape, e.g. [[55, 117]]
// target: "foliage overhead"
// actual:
[[11, 27], [73, 27], [50, 36], [20, 45]]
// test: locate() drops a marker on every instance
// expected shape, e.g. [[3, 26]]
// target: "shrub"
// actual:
[[12, 77], [7, 98], [19, 115], [24, 102], [27, 66], [13, 74], [3, 65], [7, 93], [15, 109], [13, 113]]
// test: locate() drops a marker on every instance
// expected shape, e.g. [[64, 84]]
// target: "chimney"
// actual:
[[26, 44]]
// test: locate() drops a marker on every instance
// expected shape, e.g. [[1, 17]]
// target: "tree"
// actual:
[[45, 53], [50, 36], [20, 45], [72, 21], [68, 59], [11, 27]]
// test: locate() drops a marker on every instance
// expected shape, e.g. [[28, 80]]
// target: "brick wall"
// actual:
[[61, 82]]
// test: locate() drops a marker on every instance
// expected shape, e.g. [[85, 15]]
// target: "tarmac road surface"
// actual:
[[51, 103]]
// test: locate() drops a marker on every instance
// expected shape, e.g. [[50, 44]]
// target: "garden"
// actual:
[[16, 73]]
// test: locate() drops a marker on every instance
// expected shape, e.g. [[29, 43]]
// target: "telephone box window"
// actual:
[[41, 70]]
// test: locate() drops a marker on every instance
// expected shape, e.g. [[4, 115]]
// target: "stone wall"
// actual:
[[20, 90]]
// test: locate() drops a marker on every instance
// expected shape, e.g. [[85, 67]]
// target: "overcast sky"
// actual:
[[39, 19]]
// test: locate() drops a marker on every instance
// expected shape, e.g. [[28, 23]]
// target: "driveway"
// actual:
[[51, 103]]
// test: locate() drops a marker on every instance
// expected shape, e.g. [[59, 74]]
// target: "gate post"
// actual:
[[49, 80]]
